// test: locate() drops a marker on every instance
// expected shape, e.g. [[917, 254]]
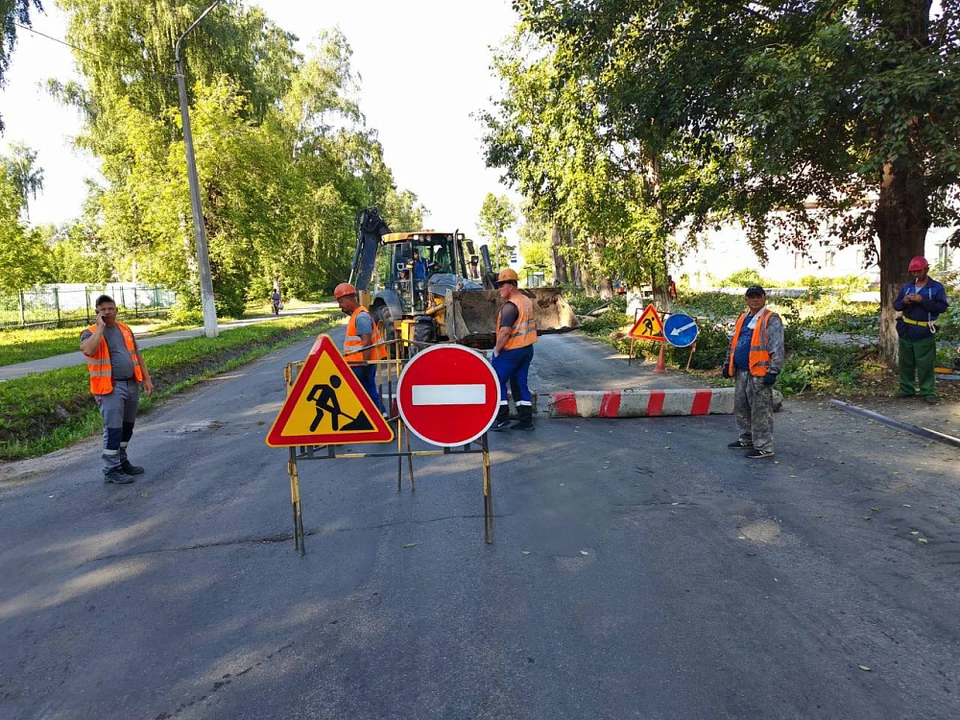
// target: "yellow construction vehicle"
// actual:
[[430, 286]]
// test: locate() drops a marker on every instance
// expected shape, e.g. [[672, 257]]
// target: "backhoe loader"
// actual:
[[429, 286]]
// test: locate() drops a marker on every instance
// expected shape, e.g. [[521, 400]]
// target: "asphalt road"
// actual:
[[640, 570]]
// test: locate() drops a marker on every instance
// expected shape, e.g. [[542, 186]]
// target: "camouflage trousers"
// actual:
[[753, 405]]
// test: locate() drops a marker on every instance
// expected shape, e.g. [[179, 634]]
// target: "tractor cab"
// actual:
[[424, 265]]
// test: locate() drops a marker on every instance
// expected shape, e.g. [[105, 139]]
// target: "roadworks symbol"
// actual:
[[648, 326], [327, 405]]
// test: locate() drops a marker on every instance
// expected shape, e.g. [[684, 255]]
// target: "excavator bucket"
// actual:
[[473, 320]]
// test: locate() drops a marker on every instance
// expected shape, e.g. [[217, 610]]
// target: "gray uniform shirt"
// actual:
[[120, 362]]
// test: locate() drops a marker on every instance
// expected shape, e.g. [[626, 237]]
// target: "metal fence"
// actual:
[[73, 303]]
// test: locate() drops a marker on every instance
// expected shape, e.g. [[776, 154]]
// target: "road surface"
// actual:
[[640, 570]]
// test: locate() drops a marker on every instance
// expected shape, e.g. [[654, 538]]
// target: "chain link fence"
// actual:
[[66, 304]]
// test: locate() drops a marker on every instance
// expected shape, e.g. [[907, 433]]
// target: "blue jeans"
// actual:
[[514, 365], [367, 375]]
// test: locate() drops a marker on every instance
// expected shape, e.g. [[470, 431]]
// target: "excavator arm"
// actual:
[[370, 228]]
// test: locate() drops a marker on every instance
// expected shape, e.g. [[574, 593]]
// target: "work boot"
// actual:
[[503, 419], [130, 469], [931, 400], [524, 418], [117, 477]]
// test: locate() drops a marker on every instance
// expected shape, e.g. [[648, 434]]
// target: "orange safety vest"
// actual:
[[353, 342], [524, 331], [99, 367], [759, 353]]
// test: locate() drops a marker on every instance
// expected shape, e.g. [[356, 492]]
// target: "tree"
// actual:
[[852, 107], [22, 169], [284, 156], [497, 215], [24, 257], [535, 243], [12, 11], [605, 184]]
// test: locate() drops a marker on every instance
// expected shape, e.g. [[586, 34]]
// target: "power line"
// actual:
[[89, 52]]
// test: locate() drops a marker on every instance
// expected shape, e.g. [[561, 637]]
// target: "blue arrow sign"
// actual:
[[680, 330]]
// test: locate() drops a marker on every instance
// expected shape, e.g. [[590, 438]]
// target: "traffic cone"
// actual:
[[661, 365]]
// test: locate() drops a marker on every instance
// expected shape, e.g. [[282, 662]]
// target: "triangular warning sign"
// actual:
[[648, 327], [328, 405]]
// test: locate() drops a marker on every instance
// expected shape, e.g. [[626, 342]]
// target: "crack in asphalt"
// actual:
[[221, 683], [280, 537]]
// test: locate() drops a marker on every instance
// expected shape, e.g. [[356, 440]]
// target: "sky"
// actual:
[[431, 55]]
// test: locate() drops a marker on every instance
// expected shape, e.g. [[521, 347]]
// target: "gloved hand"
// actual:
[[726, 371], [770, 378]]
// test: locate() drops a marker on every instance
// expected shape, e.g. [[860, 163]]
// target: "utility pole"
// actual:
[[199, 230]]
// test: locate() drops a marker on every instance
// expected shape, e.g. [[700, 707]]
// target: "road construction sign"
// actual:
[[648, 327], [328, 405], [680, 330]]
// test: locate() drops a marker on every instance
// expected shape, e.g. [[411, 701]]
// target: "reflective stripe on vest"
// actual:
[[524, 331], [759, 359], [101, 370], [353, 342]]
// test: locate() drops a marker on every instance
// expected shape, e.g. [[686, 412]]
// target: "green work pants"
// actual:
[[918, 357]]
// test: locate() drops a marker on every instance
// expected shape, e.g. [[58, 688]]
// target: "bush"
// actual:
[[743, 278]]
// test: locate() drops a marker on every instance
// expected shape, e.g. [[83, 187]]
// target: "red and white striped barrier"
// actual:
[[641, 403]]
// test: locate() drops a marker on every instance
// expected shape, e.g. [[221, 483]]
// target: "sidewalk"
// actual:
[[144, 340]]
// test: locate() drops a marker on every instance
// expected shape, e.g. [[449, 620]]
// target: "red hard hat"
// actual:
[[918, 263], [344, 289]]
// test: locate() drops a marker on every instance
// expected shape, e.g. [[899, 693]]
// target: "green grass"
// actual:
[[24, 345], [48, 411]]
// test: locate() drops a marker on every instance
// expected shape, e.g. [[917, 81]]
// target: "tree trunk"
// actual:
[[901, 220], [559, 261]]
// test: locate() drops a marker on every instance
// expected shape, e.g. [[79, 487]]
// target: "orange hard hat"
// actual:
[[344, 289], [507, 275], [918, 263]]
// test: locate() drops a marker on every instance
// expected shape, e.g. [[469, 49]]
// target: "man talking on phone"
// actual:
[[117, 371]]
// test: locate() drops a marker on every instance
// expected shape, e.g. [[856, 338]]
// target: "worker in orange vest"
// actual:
[[117, 372], [513, 352], [361, 333], [755, 359]]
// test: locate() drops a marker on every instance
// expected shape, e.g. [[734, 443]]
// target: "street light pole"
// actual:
[[199, 230]]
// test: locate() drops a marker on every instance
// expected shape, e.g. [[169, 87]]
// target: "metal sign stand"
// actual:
[[329, 452]]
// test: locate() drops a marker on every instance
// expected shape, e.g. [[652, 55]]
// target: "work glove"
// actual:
[[726, 371], [770, 378]]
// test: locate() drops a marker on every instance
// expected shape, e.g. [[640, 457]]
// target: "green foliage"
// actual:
[[497, 215], [743, 279], [24, 257], [284, 157], [704, 111], [47, 411], [716, 306]]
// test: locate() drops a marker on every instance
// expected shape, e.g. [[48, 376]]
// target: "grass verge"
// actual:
[[48, 411], [24, 345], [813, 365]]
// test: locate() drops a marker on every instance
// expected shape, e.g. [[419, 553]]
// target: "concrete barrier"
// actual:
[[641, 403]]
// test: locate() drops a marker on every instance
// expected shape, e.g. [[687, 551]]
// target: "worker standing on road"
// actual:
[[920, 302], [117, 371], [361, 333], [516, 334], [755, 359]]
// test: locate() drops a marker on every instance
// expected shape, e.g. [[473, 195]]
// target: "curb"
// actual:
[[641, 403]]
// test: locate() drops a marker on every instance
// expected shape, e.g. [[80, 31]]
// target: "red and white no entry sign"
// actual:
[[448, 395]]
